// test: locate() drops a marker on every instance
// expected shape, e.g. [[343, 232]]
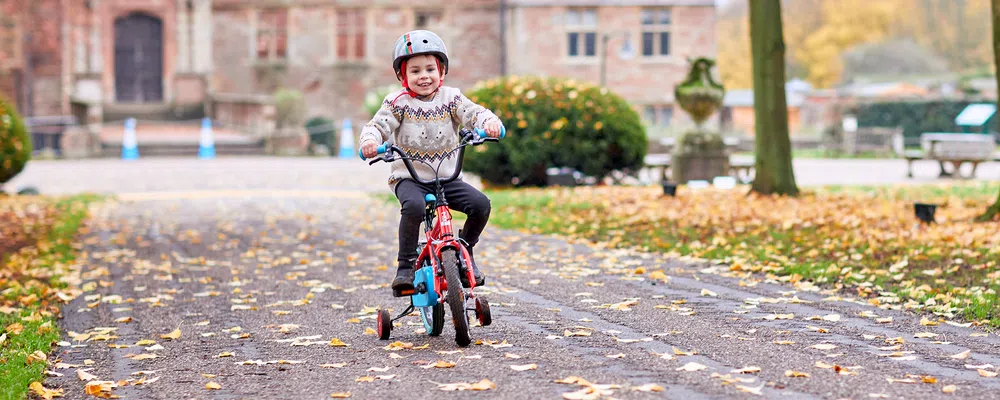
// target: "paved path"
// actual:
[[259, 286], [318, 174]]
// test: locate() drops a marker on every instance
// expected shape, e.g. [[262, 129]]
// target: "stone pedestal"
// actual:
[[292, 141]]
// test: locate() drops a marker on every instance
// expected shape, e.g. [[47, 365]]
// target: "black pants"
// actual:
[[461, 197]]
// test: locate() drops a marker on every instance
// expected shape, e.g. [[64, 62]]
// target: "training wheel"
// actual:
[[384, 324], [483, 311]]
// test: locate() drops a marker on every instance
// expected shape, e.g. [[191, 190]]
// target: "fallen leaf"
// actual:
[[335, 365], [124, 320], [684, 353], [511, 355], [824, 346], [746, 370], [796, 374], [706, 292], [649, 387], [525, 367], [619, 355], [213, 386], [224, 354], [949, 389], [484, 384], [176, 334], [84, 375], [370, 331], [692, 367], [987, 374], [751, 390], [924, 335], [378, 369], [961, 356], [440, 364], [44, 392], [341, 395], [337, 343]]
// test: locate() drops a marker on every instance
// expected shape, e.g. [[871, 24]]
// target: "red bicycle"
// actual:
[[444, 257]]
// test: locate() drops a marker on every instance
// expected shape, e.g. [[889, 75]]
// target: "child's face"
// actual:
[[422, 74]]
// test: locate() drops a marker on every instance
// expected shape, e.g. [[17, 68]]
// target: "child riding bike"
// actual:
[[424, 119]]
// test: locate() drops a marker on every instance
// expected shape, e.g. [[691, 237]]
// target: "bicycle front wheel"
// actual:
[[456, 297]]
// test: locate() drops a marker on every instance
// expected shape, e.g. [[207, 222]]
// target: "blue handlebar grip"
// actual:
[[503, 131], [482, 133], [381, 149]]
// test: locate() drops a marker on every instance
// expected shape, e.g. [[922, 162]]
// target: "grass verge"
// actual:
[[33, 291], [864, 241]]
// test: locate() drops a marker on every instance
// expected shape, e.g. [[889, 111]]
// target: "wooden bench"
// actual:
[[949, 148], [741, 169], [870, 139]]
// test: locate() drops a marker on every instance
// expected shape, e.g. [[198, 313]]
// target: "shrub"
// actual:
[[915, 117], [289, 106], [15, 143], [322, 131], [553, 122], [374, 98]]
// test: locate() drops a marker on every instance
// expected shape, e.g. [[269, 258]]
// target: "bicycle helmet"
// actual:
[[416, 43]]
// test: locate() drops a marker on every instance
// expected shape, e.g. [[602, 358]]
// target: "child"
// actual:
[[424, 119]]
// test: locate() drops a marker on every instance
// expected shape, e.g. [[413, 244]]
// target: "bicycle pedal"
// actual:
[[403, 293]]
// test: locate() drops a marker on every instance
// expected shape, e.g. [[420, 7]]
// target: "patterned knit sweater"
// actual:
[[424, 129]]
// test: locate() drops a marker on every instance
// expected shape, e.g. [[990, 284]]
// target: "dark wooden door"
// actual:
[[138, 59]]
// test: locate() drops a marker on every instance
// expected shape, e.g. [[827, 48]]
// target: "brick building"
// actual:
[[178, 55]]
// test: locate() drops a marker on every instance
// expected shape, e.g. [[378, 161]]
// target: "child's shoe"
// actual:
[[404, 278], [480, 278]]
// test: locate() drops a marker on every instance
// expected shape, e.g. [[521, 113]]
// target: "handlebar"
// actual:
[[468, 138]]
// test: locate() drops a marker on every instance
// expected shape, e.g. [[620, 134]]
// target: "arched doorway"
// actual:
[[138, 59]]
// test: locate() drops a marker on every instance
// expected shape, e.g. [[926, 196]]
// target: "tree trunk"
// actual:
[[995, 5], [773, 164]]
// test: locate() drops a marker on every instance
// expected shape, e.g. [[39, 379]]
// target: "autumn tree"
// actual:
[[995, 6], [773, 165]]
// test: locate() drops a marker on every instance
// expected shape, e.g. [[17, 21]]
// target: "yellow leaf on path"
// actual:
[[987, 374], [84, 375], [99, 388], [484, 384], [44, 392], [658, 275], [949, 389], [511, 355], [145, 342], [745, 370], [961, 356], [223, 354], [337, 343], [124, 320], [779, 316], [525, 367], [341, 395], [440, 364], [924, 335], [783, 342], [692, 367], [684, 353], [370, 331], [706, 292], [928, 379], [649, 387], [894, 380], [334, 365], [619, 355], [213, 386], [202, 323], [567, 333], [885, 320], [824, 346], [176, 334], [926, 322], [751, 390], [144, 356], [796, 374], [820, 364]]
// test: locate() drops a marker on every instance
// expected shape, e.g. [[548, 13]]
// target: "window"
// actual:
[[350, 34], [427, 19], [272, 34], [10, 43], [656, 32], [659, 115], [581, 32]]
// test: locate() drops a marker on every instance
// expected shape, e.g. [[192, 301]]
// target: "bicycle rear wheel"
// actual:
[[456, 297]]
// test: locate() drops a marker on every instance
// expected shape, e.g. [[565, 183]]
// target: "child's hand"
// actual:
[[493, 128], [369, 149]]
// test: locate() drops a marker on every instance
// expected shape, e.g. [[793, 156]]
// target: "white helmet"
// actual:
[[416, 43]]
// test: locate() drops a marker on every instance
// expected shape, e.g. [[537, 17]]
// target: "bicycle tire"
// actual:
[[456, 297]]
